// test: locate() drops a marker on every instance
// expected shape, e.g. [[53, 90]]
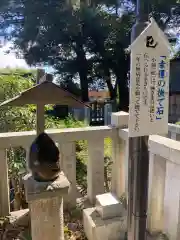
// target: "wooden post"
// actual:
[[40, 107]]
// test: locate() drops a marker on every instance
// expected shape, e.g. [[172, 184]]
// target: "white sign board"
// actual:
[[149, 83]]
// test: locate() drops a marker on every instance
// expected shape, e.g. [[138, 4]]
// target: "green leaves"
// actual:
[[11, 84]]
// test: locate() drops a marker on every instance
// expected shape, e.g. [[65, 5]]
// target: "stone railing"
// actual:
[[164, 177], [66, 139], [164, 192], [164, 184]]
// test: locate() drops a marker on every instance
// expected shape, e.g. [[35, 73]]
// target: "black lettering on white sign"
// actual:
[[150, 43]]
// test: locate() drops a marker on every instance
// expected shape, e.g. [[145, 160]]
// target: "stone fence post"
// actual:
[[174, 131], [107, 113], [46, 207], [120, 158]]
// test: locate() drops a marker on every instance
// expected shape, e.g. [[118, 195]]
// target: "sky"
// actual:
[[10, 60]]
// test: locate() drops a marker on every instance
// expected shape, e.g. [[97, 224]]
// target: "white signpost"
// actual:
[[149, 84]]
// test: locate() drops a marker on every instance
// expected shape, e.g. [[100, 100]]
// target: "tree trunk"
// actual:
[[105, 65], [107, 77], [122, 85], [123, 95], [110, 88], [83, 71], [84, 85]]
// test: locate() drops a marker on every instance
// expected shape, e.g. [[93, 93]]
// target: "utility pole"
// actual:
[[138, 163]]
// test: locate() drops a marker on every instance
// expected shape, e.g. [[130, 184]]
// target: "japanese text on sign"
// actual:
[[149, 83], [152, 89], [137, 93], [161, 88], [146, 75]]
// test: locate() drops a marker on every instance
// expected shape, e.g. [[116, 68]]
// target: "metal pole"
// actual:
[[138, 163]]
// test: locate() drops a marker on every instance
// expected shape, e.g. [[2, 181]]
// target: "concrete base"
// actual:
[[98, 229]]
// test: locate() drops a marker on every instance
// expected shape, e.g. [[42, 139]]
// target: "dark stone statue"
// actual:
[[44, 159]]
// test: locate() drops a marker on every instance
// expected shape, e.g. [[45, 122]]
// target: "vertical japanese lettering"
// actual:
[[161, 88], [146, 75], [137, 94], [152, 89]]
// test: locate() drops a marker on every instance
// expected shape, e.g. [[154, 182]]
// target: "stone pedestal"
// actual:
[[46, 207], [107, 220]]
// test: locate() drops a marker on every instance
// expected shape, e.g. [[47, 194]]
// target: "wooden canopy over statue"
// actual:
[[44, 92]]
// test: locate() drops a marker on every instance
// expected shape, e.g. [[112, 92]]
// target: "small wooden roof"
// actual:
[[45, 93]]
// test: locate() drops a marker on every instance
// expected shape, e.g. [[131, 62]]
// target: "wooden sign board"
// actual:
[[149, 83]]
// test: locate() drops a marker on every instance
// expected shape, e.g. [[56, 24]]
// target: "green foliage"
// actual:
[[13, 118], [16, 162], [71, 122], [12, 83]]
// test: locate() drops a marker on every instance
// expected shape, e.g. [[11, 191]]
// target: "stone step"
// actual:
[[20, 217], [109, 206]]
